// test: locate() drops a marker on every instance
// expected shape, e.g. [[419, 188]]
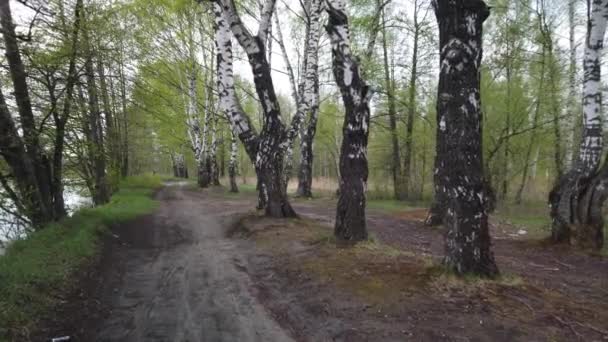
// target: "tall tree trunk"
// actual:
[[96, 151], [507, 130], [398, 190], [577, 198], [101, 194], [215, 171], [61, 120], [555, 93], [350, 213], [467, 239], [411, 111], [124, 139], [532, 142], [294, 88], [309, 99], [197, 140], [573, 110], [111, 140]]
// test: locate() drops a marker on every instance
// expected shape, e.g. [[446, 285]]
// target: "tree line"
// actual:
[[94, 91]]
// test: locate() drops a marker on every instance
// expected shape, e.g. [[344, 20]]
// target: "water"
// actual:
[[12, 229]]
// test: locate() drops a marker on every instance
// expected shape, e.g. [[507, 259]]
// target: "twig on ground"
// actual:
[[569, 325]]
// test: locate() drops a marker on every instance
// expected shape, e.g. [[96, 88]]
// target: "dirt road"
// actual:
[[175, 275], [180, 279]]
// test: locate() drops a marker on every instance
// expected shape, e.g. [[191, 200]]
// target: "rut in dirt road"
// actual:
[[180, 280]]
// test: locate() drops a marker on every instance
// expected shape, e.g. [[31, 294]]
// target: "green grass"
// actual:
[[532, 216], [393, 205], [37, 271], [244, 189]]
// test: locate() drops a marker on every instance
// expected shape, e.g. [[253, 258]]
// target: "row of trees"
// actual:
[[100, 90], [459, 131], [62, 108]]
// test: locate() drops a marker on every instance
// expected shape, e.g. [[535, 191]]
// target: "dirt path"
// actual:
[[176, 277]]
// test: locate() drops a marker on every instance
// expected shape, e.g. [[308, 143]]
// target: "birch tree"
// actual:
[[467, 239], [308, 97], [577, 198], [350, 212], [266, 150]]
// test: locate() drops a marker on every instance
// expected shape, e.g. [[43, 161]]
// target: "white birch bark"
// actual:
[[577, 199], [350, 214], [228, 102], [232, 164], [309, 93], [592, 143]]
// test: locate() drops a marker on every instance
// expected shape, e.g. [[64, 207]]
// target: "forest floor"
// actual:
[[206, 267]]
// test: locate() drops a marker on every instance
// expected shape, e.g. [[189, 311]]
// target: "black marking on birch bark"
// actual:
[[467, 239], [350, 213], [269, 149]]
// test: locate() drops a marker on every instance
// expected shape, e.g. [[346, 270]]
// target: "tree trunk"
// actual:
[[398, 190], [61, 120], [577, 198], [114, 173], [306, 158], [288, 168], [124, 139], [174, 166], [467, 239], [232, 165], [179, 165], [507, 140], [215, 171], [557, 133], [573, 109], [30, 201], [273, 137], [411, 111], [203, 172], [309, 99], [350, 213], [530, 147], [100, 193]]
